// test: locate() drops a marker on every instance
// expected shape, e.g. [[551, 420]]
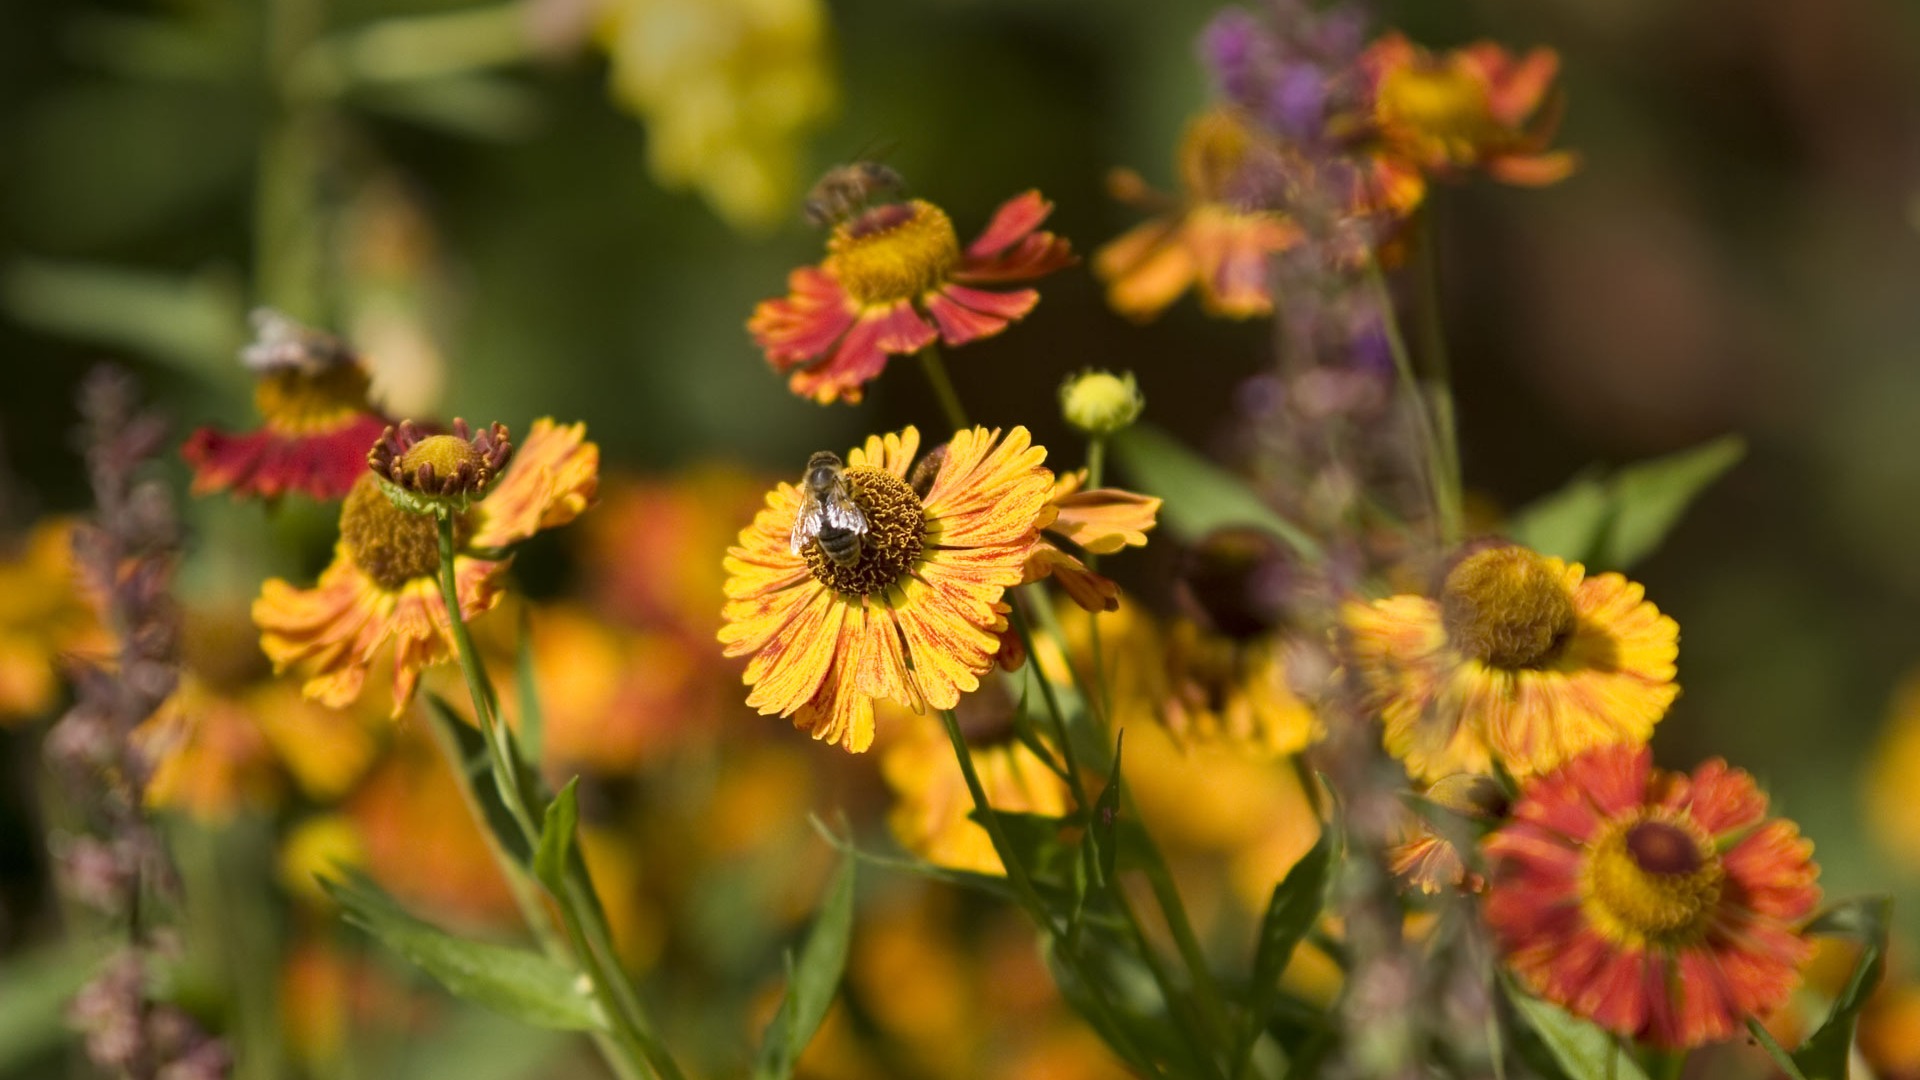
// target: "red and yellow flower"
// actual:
[[379, 600], [1215, 239], [916, 618], [1476, 107], [318, 422], [889, 270], [1522, 660], [1665, 907]]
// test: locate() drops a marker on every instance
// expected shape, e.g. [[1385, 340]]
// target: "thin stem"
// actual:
[[936, 369], [1433, 351], [1443, 489]]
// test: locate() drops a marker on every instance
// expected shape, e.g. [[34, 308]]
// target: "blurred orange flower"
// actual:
[[43, 615]]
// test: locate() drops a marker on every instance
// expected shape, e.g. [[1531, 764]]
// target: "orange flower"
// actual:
[[380, 597], [209, 758], [1663, 907], [1476, 107], [915, 615], [1429, 860], [889, 269], [1214, 240], [1098, 522], [319, 423], [1521, 659], [43, 615]]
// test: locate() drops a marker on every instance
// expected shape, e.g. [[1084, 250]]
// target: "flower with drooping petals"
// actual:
[[1217, 239], [1522, 660], [380, 598], [1662, 906], [889, 269], [1099, 521], [1430, 860], [1476, 107], [318, 422], [916, 616]]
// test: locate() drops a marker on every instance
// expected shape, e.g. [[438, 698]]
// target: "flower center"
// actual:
[[1213, 156], [1238, 580], [896, 528], [296, 402], [1651, 881], [389, 544], [1508, 608], [893, 252], [1441, 102], [443, 453]]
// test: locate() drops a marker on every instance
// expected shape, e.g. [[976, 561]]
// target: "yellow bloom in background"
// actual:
[[1893, 814], [1522, 659], [209, 758], [915, 615], [320, 846], [931, 800], [615, 700], [379, 600], [728, 89], [43, 615]]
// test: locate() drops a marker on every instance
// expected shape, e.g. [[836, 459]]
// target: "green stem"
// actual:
[[1433, 349], [634, 1039], [936, 369], [1096, 460], [1444, 490]]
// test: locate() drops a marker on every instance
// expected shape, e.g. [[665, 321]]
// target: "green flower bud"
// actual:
[[1100, 402]]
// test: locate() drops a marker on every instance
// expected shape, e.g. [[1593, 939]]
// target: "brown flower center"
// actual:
[[1507, 607], [389, 544], [893, 252], [896, 530], [297, 402], [1651, 881]]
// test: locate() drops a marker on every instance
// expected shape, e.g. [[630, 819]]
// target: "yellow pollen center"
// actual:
[[893, 252], [1444, 103], [389, 544], [294, 402], [1651, 882], [896, 530], [446, 453], [1506, 607]]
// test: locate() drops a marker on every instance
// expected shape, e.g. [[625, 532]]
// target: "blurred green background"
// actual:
[[1738, 253]]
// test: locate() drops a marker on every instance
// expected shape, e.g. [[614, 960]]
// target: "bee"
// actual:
[[280, 342], [846, 190], [828, 513]]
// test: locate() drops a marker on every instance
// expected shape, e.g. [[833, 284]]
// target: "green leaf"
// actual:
[[531, 737], [514, 982], [1584, 1051], [472, 747], [556, 837], [190, 323], [1616, 522], [812, 983], [1824, 1055], [1198, 495], [1291, 912], [1104, 828], [36, 988]]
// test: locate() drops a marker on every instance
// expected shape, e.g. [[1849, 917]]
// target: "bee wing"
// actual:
[[845, 514], [806, 526]]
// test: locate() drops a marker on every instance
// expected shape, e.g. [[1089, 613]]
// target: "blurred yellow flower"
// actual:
[[728, 89], [42, 616], [320, 846], [1892, 812]]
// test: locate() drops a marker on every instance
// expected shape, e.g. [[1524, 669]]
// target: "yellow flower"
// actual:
[[1098, 522], [208, 756], [915, 617], [728, 88], [43, 615], [1522, 659], [379, 600], [1892, 812], [931, 800]]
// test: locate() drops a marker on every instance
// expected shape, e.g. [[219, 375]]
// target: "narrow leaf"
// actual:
[[556, 837], [1106, 816], [1650, 497], [514, 982], [1824, 1055], [1198, 495], [478, 765], [1291, 912], [1566, 524], [812, 983], [531, 737], [1583, 1050]]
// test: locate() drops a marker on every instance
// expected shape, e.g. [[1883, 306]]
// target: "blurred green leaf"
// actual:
[[34, 991], [1824, 1055], [194, 323], [812, 983], [1614, 523], [475, 1045], [1104, 828], [487, 107], [556, 837], [531, 737], [514, 982], [1198, 495], [1295, 904], [1584, 1051]]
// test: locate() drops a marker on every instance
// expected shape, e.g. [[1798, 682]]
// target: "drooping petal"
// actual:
[[1010, 249], [552, 479]]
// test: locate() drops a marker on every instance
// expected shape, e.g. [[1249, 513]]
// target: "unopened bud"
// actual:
[[1100, 402]]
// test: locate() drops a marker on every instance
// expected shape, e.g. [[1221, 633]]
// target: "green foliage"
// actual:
[[1824, 1055], [531, 737], [555, 849], [812, 982], [1295, 904], [36, 988], [1582, 1050], [1199, 495], [514, 982], [1613, 523], [474, 760]]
